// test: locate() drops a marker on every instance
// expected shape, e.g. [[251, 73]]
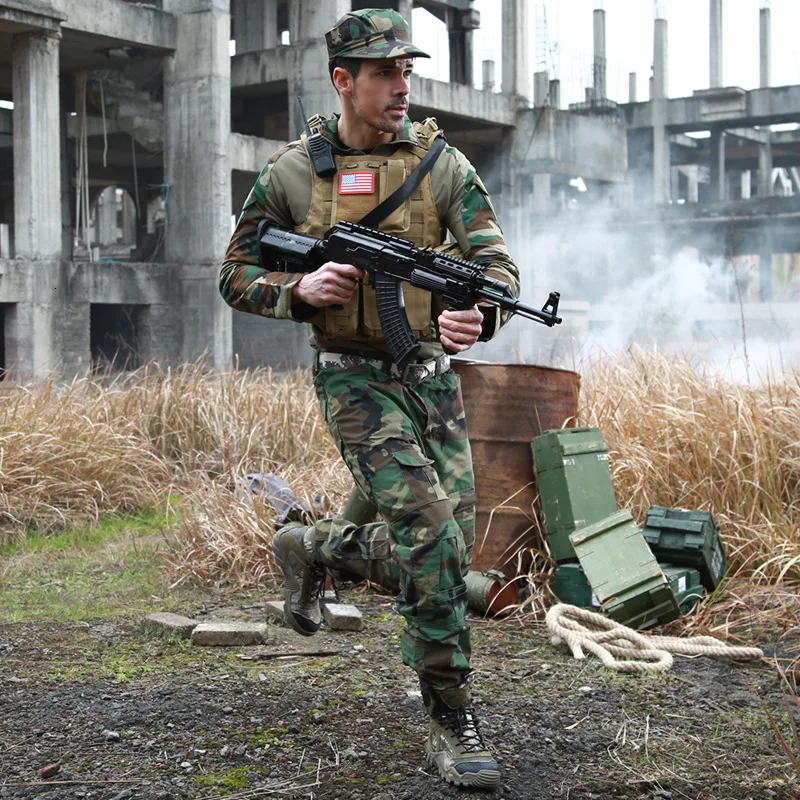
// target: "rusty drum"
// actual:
[[507, 405]]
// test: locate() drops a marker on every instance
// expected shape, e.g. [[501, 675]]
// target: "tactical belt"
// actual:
[[415, 372]]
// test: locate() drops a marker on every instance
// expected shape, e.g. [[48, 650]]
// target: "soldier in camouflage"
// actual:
[[402, 432]]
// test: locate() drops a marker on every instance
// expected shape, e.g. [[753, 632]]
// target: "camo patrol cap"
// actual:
[[371, 33]]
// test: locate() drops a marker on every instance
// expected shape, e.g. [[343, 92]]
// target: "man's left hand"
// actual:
[[459, 330]]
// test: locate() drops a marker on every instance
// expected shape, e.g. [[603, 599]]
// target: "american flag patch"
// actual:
[[357, 183]]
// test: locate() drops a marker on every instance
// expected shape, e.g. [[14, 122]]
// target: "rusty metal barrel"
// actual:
[[507, 405]]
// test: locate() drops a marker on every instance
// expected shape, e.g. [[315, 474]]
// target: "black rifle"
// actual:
[[390, 260]]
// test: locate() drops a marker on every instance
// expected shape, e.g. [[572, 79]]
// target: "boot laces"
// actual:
[[465, 725], [316, 584]]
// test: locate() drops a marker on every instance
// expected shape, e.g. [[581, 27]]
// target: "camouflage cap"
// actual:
[[371, 33]]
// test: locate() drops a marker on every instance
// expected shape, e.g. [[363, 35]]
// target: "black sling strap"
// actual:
[[401, 194]]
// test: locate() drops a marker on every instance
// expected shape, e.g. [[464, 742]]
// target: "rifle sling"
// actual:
[[402, 193]]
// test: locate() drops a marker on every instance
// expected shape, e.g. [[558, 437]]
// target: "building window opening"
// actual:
[[114, 337]]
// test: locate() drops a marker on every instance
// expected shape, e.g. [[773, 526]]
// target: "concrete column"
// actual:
[[715, 43], [516, 77], [765, 46], [718, 185], [37, 146], [541, 89], [745, 184], [308, 77], [196, 131], [555, 93], [765, 168], [461, 26], [405, 9], [310, 19], [661, 156], [599, 61], [693, 177], [631, 87], [488, 75], [255, 25], [660, 59]]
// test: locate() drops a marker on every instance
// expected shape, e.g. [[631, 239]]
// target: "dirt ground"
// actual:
[[126, 713]]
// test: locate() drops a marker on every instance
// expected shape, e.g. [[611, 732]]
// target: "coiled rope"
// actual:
[[581, 629]]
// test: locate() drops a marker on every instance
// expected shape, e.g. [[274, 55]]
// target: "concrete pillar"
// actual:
[[765, 168], [310, 19], [461, 25], [599, 61], [661, 157], [555, 93], [255, 25], [197, 128], [765, 46], [660, 59], [37, 146], [541, 89], [488, 75], [693, 177], [516, 77], [631, 87], [309, 78], [405, 9], [718, 185], [745, 184], [715, 43]]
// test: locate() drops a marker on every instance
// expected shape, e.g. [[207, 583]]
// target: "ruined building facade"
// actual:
[[131, 136]]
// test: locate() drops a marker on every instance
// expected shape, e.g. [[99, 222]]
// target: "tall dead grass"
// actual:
[[678, 436], [682, 437]]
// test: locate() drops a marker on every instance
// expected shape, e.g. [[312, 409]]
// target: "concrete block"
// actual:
[[171, 623], [274, 609], [229, 634], [341, 617]]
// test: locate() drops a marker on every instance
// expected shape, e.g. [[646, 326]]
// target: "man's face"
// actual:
[[380, 93]]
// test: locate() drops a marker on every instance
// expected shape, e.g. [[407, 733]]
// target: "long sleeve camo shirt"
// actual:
[[282, 194]]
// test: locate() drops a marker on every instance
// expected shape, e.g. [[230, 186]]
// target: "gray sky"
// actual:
[[567, 46]]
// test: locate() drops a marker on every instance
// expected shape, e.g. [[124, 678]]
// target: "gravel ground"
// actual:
[[108, 710]]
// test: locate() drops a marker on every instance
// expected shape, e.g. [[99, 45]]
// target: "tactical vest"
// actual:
[[416, 220]]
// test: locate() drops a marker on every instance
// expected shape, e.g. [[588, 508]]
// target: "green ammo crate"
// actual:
[[574, 484], [570, 585], [685, 584], [628, 582], [688, 539]]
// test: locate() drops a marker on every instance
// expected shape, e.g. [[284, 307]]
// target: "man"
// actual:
[[402, 433]]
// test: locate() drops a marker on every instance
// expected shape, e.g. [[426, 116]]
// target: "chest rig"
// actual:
[[416, 220]]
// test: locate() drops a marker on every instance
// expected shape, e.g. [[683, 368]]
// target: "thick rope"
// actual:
[[581, 629]]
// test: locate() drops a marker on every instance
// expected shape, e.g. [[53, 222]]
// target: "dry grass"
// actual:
[[677, 437], [680, 438]]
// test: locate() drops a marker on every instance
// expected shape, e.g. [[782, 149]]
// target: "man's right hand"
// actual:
[[331, 285]]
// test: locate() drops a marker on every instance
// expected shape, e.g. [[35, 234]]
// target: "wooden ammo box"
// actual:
[[688, 539], [574, 484], [622, 571], [685, 584], [570, 585]]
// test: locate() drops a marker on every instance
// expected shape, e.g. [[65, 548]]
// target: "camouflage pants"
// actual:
[[407, 448]]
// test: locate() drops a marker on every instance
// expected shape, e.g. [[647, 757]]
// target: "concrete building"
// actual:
[[130, 136]]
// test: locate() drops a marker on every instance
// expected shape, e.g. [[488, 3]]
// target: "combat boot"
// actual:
[[293, 548], [456, 748]]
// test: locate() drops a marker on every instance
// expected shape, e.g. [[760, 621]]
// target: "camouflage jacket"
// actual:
[[282, 194]]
